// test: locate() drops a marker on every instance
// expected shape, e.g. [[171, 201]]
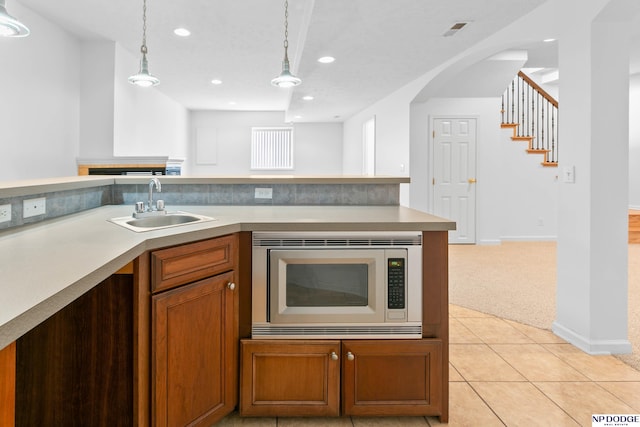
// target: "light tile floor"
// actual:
[[504, 373]]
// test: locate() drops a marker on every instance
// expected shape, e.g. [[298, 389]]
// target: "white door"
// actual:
[[454, 175]]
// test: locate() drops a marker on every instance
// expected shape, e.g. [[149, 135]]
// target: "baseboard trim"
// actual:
[[490, 242], [529, 238], [594, 347]]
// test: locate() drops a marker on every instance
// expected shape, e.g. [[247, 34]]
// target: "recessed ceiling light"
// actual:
[[297, 117], [548, 40], [307, 97], [326, 59], [182, 32], [216, 82], [232, 103]]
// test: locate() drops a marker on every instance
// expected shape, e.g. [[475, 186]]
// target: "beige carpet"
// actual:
[[517, 281]]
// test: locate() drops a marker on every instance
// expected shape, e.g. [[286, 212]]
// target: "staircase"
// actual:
[[634, 226], [532, 114]]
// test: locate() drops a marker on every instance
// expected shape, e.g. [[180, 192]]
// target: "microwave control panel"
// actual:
[[396, 283]]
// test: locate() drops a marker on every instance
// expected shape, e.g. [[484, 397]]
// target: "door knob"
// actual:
[[471, 180], [334, 356], [350, 356], [231, 285]]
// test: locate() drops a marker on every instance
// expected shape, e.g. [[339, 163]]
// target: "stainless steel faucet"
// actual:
[[153, 182]]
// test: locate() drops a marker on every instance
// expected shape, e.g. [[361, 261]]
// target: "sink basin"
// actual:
[[170, 219]]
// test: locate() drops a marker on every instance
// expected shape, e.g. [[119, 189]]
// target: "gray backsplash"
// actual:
[[67, 202]]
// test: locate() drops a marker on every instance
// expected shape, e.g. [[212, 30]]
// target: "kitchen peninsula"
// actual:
[[48, 265]]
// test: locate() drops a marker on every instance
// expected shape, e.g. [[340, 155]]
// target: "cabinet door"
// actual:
[[194, 353], [392, 377], [290, 378]]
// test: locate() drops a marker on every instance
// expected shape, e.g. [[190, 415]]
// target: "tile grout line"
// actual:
[[521, 373], [486, 403]]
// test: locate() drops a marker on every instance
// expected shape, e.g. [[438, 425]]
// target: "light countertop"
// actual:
[[45, 266]]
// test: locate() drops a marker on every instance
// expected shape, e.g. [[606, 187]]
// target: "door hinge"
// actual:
[[433, 133], [433, 181]]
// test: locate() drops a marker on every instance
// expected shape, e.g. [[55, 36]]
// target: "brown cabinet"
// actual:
[[290, 378], [375, 377], [391, 377], [194, 333]]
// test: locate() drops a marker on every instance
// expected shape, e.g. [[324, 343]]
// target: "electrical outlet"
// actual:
[[34, 207], [264, 193], [5, 213]]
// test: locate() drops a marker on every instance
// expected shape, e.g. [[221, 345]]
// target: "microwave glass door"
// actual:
[[326, 285]]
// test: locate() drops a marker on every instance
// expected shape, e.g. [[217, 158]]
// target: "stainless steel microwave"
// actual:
[[337, 285]]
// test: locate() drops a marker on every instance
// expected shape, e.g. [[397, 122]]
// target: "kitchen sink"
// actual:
[[163, 220]]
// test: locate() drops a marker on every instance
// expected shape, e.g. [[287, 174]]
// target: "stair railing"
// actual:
[[533, 115]]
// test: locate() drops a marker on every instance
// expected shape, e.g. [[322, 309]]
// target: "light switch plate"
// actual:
[[34, 207], [569, 174]]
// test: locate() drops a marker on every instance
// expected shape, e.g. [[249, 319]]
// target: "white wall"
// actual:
[[64, 99], [317, 149], [634, 141], [146, 122], [39, 85], [516, 198], [392, 137], [96, 99]]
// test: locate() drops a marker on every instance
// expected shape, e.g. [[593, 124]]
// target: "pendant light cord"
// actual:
[[286, 27], [143, 48]]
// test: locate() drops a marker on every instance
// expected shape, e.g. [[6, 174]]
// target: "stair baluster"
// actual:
[[539, 125]]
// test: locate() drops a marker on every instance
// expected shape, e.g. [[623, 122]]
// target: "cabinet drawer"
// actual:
[[187, 263]]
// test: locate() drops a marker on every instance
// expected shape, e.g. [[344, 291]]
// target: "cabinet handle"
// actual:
[[231, 285], [350, 356], [334, 356]]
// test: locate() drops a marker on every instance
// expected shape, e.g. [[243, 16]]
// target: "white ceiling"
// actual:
[[379, 46]]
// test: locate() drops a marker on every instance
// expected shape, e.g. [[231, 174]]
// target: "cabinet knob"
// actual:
[[350, 356], [231, 285], [334, 356]]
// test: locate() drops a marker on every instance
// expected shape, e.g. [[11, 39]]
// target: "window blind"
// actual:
[[272, 148]]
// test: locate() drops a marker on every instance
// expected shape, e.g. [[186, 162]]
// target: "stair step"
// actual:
[[521, 138], [537, 150], [549, 164], [634, 226]]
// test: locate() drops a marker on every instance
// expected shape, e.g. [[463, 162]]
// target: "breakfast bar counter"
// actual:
[[47, 265]]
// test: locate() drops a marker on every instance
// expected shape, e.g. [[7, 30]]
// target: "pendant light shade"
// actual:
[[144, 78], [286, 79], [10, 26]]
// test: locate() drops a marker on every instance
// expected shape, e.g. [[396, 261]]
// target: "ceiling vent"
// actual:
[[455, 28]]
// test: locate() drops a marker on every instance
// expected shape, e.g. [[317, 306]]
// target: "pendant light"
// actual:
[[10, 26], [286, 79], [143, 78]]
